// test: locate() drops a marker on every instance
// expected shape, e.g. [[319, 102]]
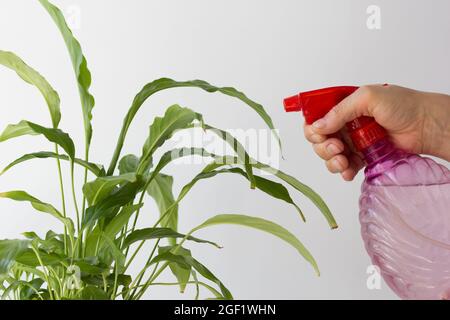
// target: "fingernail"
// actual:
[[338, 165], [333, 149], [319, 124]]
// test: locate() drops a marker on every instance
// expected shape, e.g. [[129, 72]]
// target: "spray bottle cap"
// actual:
[[363, 131]]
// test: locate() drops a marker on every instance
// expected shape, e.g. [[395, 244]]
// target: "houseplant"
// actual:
[[89, 258]]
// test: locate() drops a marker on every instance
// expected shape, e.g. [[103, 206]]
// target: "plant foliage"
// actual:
[[90, 256]]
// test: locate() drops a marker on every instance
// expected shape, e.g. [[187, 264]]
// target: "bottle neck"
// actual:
[[378, 152], [381, 157]]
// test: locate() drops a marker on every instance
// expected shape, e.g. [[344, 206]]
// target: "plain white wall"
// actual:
[[269, 49]]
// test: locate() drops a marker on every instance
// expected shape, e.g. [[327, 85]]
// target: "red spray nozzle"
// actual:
[[315, 104]]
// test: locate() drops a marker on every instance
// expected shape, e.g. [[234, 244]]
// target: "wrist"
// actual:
[[436, 131]]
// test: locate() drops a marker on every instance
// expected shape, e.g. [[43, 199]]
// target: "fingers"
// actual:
[[313, 137], [329, 148], [337, 164], [352, 107], [356, 164]]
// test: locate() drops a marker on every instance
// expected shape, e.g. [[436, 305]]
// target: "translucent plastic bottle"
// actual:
[[404, 203]]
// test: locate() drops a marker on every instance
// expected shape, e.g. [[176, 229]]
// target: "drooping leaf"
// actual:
[[96, 169], [39, 206], [159, 233], [9, 250], [97, 190], [162, 129], [29, 128], [165, 83], [272, 188], [160, 189], [304, 189], [263, 225], [181, 272], [79, 64], [242, 155], [186, 261], [31, 76]]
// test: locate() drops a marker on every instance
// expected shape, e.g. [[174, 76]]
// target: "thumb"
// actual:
[[352, 107]]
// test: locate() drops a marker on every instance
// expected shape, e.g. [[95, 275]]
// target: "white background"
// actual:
[[269, 49]]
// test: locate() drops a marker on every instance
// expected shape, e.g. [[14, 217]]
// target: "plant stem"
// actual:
[[141, 274], [76, 205], [155, 274], [63, 197], [134, 254], [83, 210], [141, 199], [203, 284], [153, 277], [44, 271]]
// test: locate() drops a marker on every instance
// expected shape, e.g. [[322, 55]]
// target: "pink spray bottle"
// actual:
[[404, 204]]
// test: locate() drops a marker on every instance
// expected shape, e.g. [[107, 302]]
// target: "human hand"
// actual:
[[417, 122]]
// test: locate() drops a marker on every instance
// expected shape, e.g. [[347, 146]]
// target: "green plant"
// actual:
[[90, 257]]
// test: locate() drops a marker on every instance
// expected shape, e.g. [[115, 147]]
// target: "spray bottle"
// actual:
[[404, 203]]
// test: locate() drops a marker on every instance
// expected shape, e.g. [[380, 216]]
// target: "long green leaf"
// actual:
[[159, 233], [274, 189], [181, 272], [304, 189], [9, 250], [269, 187], [29, 128], [220, 161], [79, 64], [31, 76], [165, 83], [39, 206], [96, 169], [242, 155], [162, 129], [263, 225]]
